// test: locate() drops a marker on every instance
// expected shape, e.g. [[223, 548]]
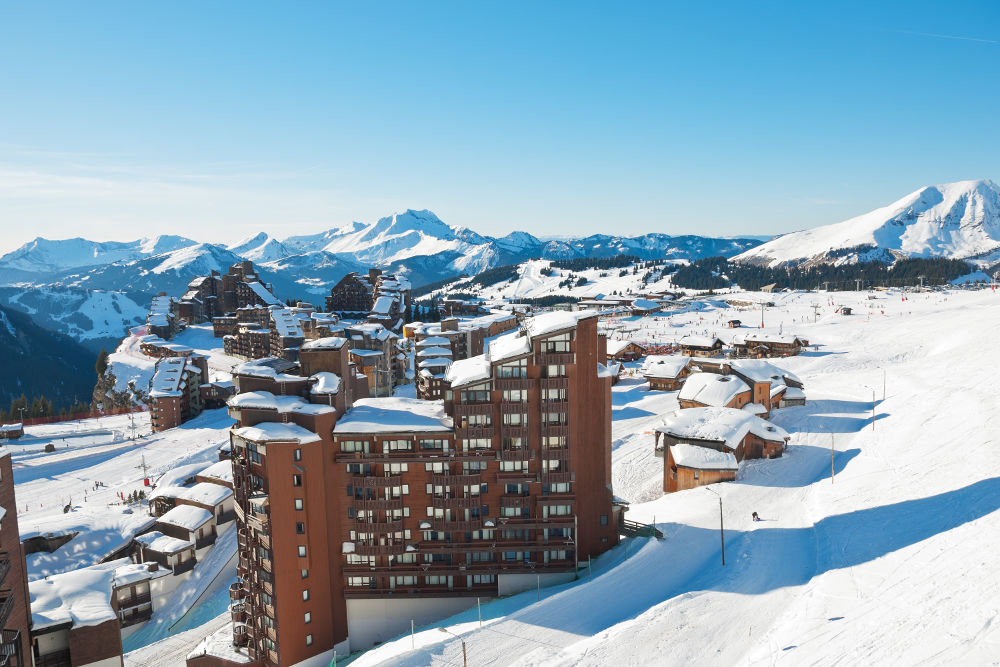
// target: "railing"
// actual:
[[463, 409], [4, 565], [636, 529], [134, 600], [554, 383], [377, 503], [557, 477], [515, 501], [445, 526], [513, 383], [205, 541], [555, 406], [555, 358], [240, 514], [522, 454], [457, 503], [371, 481], [456, 480], [379, 549], [236, 591], [510, 407], [136, 616], [226, 517], [514, 431], [55, 659], [6, 606], [555, 430], [378, 528], [186, 566], [475, 431]]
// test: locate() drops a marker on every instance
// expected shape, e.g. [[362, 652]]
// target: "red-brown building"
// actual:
[[175, 394], [504, 485], [15, 614]]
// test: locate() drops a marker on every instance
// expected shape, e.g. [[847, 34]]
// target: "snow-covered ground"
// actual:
[[891, 563]]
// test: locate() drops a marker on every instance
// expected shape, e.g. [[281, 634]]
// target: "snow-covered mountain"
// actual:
[[956, 220], [45, 256], [260, 248]]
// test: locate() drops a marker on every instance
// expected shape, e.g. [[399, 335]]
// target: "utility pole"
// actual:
[[826, 285], [922, 281], [815, 308], [722, 529]]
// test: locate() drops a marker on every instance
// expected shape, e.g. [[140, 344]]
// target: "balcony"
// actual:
[[445, 526], [522, 454], [464, 409], [373, 482], [554, 383], [475, 431], [4, 565], [135, 616], [378, 528], [555, 430], [456, 480], [555, 453], [6, 606], [557, 477], [555, 406], [513, 383], [377, 504], [515, 501], [186, 566], [511, 407], [457, 503], [206, 541], [134, 600], [555, 358], [379, 549], [516, 476], [514, 431], [236, 591]]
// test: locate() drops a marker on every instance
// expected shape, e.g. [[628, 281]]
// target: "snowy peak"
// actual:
[[958, 220], [260, 248], [45, 255]]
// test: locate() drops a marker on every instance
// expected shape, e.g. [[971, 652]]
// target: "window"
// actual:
[[510, 511], [307, 617], [604, 519], [434, 445], [309, 640], [553, 441], [302, 551], [359, 581], [304, 573], [553, 394], [482, 579], [515, 419], [513, 369], [296, 480], [437, 580], [513, 466], [297, 455], [439, 468], [300, 528], [480, 394], [397, 446], [477, 421], [696, 474], [395, 469], [554, 370], [305, 595], [469, 444], [556, 510], [515, 395], [402, 581], [298, 503], [560, 487], [555, 344], [354, 445], [472, 467]]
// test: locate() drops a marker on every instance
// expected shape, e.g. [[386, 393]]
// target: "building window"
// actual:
[[397, 446], [300, 528], [354, 445], [304, 573], [296, 480], [302, 551], [696, 474], [309, 640], [298, 455], [298, 503], [604, 519], [305, 595], [307, 617]]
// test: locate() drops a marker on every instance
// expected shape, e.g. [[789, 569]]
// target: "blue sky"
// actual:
[[219, 120]]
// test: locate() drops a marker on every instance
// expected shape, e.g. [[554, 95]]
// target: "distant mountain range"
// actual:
[[955, 220]]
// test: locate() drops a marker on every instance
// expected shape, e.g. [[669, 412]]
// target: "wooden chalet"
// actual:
[[700, 346]]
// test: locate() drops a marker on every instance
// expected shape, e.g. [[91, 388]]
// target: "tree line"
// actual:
[[717, 272]]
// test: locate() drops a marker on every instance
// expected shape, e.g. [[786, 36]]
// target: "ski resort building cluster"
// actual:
[[503, 485]]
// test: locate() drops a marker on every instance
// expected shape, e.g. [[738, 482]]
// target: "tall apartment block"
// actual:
[[15, 613], [357, 515]]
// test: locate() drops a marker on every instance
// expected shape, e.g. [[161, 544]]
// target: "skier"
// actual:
[[755, 517]]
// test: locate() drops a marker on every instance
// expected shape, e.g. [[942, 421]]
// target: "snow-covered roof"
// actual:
[[702, 458], [769, 338], [169, 378], [219, 644], [268, 367], [366, 353], [664, 365], [794, 393], [435, 362], [286, 323], [206, 493], [7, 428], [220, 470], [80, 598], [711, 389], [726, 425], [645, 304], [188, 517], [394, 415], [276, 432], [508, 346], [164, 544], [383, 305], [692, 340], [328, 343], [265, 400], [616, 346], [434, 341], [467, 371], [262, 292], [434, 351], [559, 320], [755, 408], [326, 383], [761, 370]]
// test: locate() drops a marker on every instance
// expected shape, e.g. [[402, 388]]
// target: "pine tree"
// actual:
[[102, 362]]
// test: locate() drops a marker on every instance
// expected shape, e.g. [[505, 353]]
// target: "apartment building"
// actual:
[[218, 295], [15, 640], [359, 515], [175, 394]]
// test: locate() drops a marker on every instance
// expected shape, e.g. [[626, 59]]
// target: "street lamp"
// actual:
[[722, 530], [449, 632]]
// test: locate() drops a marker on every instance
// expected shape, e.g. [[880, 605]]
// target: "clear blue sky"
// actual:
[[217, 120]]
